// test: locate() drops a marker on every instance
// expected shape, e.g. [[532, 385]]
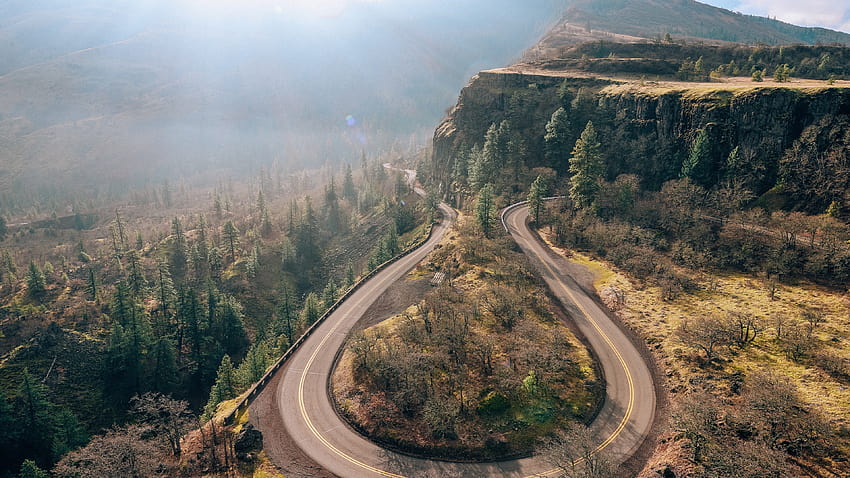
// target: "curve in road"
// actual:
[[309, 416]]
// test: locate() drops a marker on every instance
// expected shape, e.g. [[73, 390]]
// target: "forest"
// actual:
[[120, 318]]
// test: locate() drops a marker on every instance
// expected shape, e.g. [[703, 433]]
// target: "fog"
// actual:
[[134, 91]]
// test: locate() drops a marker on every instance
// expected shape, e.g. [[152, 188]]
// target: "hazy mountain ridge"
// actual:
[[652, 19], [138, 92]]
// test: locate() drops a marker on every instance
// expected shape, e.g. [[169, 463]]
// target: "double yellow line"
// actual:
[[613, 436]]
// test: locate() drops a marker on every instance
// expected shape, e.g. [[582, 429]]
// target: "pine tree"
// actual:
[[557, 140], [254, 365], [179, 249], [68, 433], [224, 387], [484, 209], [329, 294], [349, 192], [233, 337], [35, 418], [164, 375], [478, 172], [287, 315], [535, 199], [29, 469], [231, 237], [135, 275], [697, 165], [586, 168], [36, 282], [91, 285], [311, 310], [734, 165]]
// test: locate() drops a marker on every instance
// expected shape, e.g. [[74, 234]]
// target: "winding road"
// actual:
[[308, 415]]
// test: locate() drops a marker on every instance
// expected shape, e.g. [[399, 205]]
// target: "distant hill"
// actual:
[[625, 20]]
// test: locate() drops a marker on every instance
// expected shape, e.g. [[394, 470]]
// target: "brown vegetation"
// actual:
[[478, 369]]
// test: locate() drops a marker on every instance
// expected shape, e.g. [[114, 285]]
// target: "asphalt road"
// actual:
[[309, 417]]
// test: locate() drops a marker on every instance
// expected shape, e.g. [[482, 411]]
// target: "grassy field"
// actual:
[[823, 389]]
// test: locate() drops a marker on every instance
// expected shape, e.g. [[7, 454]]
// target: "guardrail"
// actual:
[[260, 385], [513, 206]]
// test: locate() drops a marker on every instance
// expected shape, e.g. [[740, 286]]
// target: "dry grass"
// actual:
[[656, 321]]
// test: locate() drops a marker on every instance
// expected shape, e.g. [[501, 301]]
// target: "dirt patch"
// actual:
[[401, 295]]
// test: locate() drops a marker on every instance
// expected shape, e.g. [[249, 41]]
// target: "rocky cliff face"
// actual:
[[647, 129]]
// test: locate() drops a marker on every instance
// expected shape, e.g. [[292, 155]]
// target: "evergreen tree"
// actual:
[[329, 294], [460, 166], [231, 238], [484, 209], [188, 327], [216, 264], [166, 293], [36, 282], [129, 342], [349, 275], [331, 211], [164, 375], [30, 470], [121, 234], [68, 433], [287, 315], [557, 140], [478, 171], [179, 249], [586, 168], [349, 192], [9, 432], [35, 419], [697, 165], [91, 285], [536, 193], [254, 366], [3, 229], [311, 310], [782, 73], [566, 95], [734, 164], [135, 276], [82, 255], [224, 387], [233, 338]]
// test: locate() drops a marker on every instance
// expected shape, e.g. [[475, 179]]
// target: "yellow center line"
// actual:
[[630, 407], [620, 427]]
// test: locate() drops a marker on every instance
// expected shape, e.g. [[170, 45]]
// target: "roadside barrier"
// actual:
[[260, 385]]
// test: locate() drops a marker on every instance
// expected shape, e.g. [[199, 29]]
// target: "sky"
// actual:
[[833, 14]]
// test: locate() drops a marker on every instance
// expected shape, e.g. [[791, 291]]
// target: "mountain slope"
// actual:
[[595, 19]]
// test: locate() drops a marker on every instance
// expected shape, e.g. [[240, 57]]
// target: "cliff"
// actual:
[[648, 128]]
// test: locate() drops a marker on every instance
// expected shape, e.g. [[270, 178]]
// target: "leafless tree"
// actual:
[[120, 453], [170, 419], [697, 419], [745, 327], [574, 452], [705, 332]]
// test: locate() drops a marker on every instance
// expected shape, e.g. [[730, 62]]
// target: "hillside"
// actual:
[[630, 20]]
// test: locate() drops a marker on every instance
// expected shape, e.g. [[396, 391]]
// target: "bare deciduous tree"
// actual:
[[170, 419], [705, 332], [120, 453], [574, 452]]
